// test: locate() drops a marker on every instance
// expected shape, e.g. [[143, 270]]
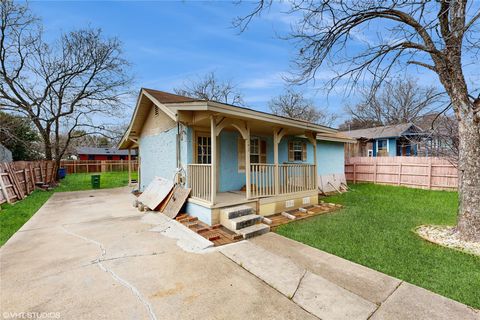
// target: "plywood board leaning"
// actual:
[[155, 192], [176, 202]]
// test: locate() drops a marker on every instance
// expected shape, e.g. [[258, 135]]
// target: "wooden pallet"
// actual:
[[218, 234], [311, 211]]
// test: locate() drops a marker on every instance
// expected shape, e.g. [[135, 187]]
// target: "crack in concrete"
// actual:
[[299, 282], [133, 256], [269, 285], [116, 277], [123, 257], [380, 304]]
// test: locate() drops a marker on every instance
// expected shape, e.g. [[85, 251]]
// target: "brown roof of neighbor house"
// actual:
[[166, 97], [391, 131]]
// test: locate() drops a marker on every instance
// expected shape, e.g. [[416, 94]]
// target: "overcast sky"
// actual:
[[169, 43]]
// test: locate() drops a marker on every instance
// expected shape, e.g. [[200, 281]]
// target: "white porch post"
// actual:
[[276, 175], [312, 136], [213, 159], [247, 161], [129, 166]]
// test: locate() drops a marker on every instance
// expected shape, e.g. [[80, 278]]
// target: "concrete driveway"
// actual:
[[91, 255]]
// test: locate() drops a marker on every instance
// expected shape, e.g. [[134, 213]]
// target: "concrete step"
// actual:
[[243, 221], [253, 231], [237, 211]]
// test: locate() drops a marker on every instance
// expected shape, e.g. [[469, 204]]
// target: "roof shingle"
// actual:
[[166, 97], [380, 132]]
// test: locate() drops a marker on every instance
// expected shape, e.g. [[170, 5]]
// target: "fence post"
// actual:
[[354, 173], [430, 174], [399, 174], [3, 188], [375, 171]]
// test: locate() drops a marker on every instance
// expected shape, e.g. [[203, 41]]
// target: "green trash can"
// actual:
[[95, 181]]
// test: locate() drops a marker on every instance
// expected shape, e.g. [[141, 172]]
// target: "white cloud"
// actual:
[[272, 80]]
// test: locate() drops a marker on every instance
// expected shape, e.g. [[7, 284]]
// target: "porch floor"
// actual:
[[231, 198]]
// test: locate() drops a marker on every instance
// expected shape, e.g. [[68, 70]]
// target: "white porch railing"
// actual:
[[291, 178], [199, 177], [262, 180], [296, 177]]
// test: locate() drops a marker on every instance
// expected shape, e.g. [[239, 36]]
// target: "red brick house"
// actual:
[[89, 153]]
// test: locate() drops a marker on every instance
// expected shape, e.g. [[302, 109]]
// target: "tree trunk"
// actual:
[[47, 146], [469, 175]]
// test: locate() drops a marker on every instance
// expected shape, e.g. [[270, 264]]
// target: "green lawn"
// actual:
[[13, 217], [375, 230], [82, 181]]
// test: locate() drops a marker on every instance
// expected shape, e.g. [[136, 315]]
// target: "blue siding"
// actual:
[[330, 157], [392, 147]]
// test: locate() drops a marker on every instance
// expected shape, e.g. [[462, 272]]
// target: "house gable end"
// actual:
[[156, 122]]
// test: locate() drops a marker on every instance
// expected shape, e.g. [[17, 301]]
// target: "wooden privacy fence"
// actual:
[[18, 179], [416, 172], [86, 166]]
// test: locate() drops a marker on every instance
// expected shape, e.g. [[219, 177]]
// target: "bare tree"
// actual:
[[398, 101], [295, 105], [355, 123], [69, 88], [442, 135], [209, 87], [439, 36]]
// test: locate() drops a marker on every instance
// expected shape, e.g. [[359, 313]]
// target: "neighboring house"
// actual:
[[90, 153], [387, 141], [5, 154], [267, 162]]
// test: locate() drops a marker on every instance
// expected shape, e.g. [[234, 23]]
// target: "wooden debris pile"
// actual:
[[164, 196], [18, 179]]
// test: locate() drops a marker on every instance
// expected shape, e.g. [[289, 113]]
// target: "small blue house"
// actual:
[[230, 155], [386, 141]]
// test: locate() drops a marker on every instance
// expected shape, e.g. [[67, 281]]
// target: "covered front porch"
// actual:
[[249, 160]]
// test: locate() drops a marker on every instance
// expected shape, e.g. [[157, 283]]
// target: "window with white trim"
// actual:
[[382, 147], [204, 149], [255, 150]]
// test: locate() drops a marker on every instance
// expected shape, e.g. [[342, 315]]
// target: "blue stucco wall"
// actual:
[[330, 157], [158, 154], [202, 213], [229, 177], [283, 150]]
